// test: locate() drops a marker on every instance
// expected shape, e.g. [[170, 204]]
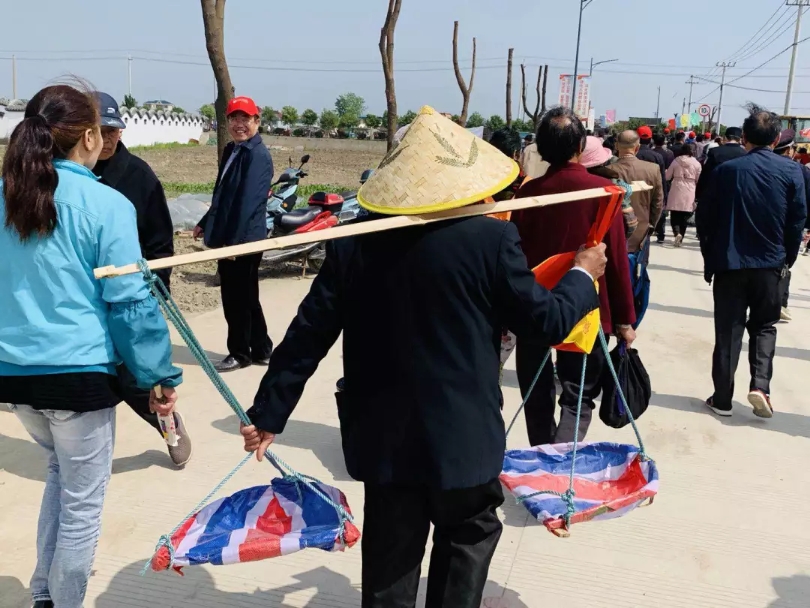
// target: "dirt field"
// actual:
[[338, 162]]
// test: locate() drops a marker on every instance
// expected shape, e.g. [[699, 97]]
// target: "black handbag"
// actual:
[[635, 384]]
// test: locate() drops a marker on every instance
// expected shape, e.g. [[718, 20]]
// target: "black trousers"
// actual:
[[247, 330], [136, 398], [784, 290], [737, 292], [679, 221], [660, 227], [542, 404], [395, 532]]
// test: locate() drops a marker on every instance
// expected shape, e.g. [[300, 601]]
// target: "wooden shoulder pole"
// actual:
[[388, 223]]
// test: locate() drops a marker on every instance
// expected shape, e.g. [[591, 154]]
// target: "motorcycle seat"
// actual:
[[350, 194], [300, 217]]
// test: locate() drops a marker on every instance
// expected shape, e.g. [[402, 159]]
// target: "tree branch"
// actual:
[[387, 56], [214, 23], [509, 88]]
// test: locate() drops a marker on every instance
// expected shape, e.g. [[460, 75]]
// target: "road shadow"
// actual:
[[13, 593], [181, 355], [662, 267], [322, 440], [510, 379], [197, 588], [787, 423], [785, 351], [682, 310], [793, 591], [24, 458]]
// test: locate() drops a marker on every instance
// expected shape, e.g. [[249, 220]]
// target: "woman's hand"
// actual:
[[163, 405], [256, 440]]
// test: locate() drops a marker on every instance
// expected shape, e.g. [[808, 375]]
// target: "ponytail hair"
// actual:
[[55, 121]]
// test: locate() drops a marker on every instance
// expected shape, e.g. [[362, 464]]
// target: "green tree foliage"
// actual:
[[178, 110], [407, 118], [349, 121], [207, 111], [129, 102], [309, 118], [495, 122], [523, 125], [269, 115], [350, 103], [456, 118], [329, 120], [289, 115], [373, 122], [475, 120]]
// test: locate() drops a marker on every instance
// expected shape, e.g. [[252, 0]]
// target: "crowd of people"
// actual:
[[422, 310]]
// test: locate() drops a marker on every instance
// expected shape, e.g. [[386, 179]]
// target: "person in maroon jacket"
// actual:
[[547, 231]]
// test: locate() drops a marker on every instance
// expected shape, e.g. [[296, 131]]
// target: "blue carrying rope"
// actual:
[[569, 495], [174, 315]]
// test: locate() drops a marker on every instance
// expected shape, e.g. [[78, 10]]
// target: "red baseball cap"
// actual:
[[707, 134], [242, 104], [666, 131], [645, 132], [692, 134]]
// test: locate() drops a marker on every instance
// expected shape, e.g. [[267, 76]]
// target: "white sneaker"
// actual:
[[785, 315], [761, 404]]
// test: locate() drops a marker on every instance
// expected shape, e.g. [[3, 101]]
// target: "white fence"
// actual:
[[145, 128], [10, 118]]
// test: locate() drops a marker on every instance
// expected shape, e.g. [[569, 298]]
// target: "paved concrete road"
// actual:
[[730, 527]]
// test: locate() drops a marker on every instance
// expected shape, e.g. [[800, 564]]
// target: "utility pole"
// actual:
[[14, 76], [658, 106], [723, 65], [576, 59], [129, 73], [800, 4], [691, 82], [683, 107]]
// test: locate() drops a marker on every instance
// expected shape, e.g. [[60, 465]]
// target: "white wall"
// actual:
[[149, 128], [8, 121]]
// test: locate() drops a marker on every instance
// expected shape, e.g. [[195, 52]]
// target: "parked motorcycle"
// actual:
[[283, 194], [324, 210]]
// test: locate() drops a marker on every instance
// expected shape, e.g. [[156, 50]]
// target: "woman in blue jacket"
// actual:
[[62, 332]]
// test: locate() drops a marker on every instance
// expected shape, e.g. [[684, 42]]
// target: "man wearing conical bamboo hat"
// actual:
[[421, 310]]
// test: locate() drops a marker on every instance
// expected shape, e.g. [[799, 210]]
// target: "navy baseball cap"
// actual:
[[108, 109]]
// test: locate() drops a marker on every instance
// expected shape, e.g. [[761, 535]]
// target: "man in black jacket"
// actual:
[[133, 178], [238, 214], [421, 310], [717, 156], [750, 226]]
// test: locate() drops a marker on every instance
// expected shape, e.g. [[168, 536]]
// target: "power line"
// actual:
[[751, 40], [768, 43], [779, 54]]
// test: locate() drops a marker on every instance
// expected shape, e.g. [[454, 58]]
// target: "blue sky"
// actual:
[[92, 38]]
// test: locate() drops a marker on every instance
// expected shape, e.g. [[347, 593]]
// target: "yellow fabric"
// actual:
[[583, 337]]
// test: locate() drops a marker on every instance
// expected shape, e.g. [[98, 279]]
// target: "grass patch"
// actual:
[[169, 146], [175, 189]]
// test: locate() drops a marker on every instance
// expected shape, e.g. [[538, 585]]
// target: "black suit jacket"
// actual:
[[422, 311], [716, 157]]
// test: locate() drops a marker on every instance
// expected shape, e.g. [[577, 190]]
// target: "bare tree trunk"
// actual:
[[466, 91], [509, 89], [543, 103], [214, 20], [387, 54]]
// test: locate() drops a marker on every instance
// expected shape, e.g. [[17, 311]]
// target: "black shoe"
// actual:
[[725, 413], [230, 364], [43, 604], [262, 362]]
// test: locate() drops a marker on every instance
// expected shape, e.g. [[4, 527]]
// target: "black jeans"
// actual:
[[136, 398], [542, 404], [247, 330], [679, 221], [737, 292], [784, 290], [395, 532], [660, 227]]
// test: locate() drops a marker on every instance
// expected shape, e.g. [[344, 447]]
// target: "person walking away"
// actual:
[[750, 227], [238, 215], [62, 331], [669, 157], [420, 411], [548, 231], [731, 149], [531, 163], [597, 160], [684, 173], [133, 178], [680, 137], [786, 149], [647, 205]]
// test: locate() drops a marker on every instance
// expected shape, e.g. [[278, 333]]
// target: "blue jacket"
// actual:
[[752, 213], [56, 316], [238, 212]]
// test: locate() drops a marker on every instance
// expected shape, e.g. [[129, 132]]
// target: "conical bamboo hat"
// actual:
[[438, 165]]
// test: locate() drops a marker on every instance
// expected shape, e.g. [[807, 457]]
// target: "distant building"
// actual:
[[12, 113], [158, 104]]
